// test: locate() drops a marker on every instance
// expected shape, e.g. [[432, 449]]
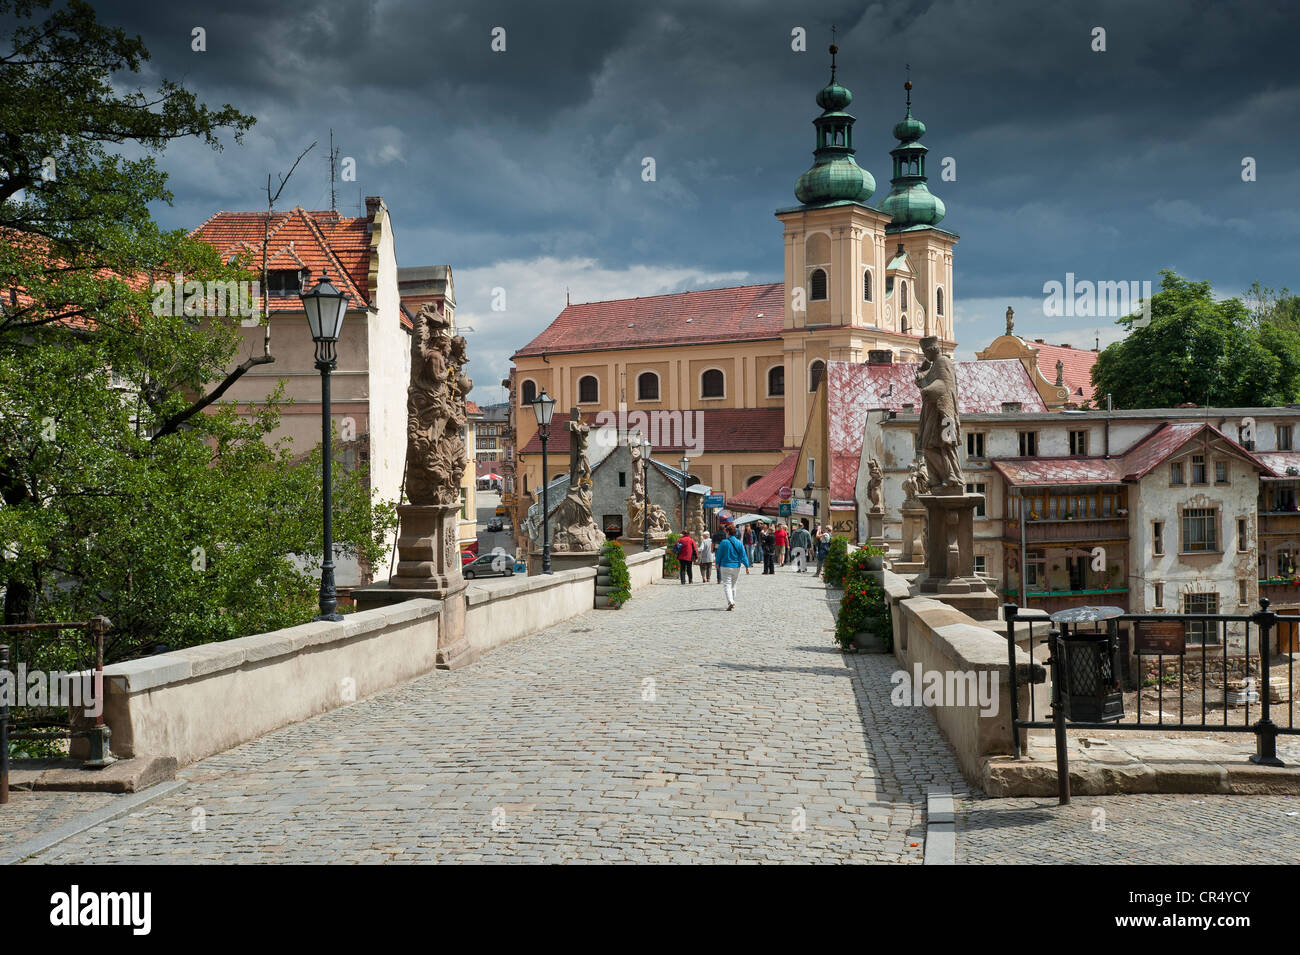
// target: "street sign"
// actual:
[[715, 500], [783, 509], [786, 493], [803, 507]]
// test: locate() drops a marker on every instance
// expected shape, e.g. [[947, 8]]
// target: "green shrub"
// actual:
[[856, 563], [619, 579], [863, 607], [837, 559], [671, 563]]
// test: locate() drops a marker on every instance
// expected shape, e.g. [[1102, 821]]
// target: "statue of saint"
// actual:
[[874, 482], [1011, 320], [940, 430]]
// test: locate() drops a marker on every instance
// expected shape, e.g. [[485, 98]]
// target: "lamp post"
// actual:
[[808, 496], [544, 408], [685, 463], [645, 493], [325, 306]]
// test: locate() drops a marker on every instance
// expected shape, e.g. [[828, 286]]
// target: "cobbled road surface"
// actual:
[[668, 731]]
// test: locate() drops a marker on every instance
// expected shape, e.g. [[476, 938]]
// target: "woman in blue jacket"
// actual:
[[731, 556]]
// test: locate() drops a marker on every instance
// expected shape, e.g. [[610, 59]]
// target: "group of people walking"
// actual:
[[732, 548]]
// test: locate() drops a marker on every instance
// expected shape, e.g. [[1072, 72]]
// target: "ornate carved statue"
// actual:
[[637, 501], [435, 408], [575, 528], [877, 477], [915, 483], [940, 430], [1060, 373], [1011, 320]]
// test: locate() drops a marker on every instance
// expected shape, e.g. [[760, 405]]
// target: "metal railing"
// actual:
[[1218, 655], [42, 725]]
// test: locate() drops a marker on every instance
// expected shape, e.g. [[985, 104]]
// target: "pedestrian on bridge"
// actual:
[[684, 551], [801, 540], [731, 557], [705, 558]]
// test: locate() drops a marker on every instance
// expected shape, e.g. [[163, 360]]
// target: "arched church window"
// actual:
[[817, 286], [527, 392], [866, 286], [713, 384], [647, 386], [939, 303], [902, 325], [902, 302], [776, 381], [588, 389], [815, 372]]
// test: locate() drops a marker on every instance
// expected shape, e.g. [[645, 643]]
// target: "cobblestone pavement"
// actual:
[[1168, 830], [667, 731], [28, 814]]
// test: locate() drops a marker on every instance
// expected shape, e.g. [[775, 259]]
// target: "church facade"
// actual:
[[733, 373]]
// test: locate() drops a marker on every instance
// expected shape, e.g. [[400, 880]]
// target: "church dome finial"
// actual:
[[910, 201], [835, 175]]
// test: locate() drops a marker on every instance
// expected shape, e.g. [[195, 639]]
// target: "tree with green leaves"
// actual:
[[1200, 350], [126, 486]]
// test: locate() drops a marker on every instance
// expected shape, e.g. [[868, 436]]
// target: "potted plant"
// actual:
[[863, 622], [671, 564], [837, 560]]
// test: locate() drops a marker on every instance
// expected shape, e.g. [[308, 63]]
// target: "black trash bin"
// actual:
[[1089, 667]]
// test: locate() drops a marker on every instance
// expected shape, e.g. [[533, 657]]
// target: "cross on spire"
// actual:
[[834, 49]]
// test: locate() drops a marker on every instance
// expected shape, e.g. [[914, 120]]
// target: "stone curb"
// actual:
[[122, 776], [118, 808], [1005, 777], [940, 828]]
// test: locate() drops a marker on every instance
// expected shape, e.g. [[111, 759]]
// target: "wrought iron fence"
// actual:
[[1234, 650]]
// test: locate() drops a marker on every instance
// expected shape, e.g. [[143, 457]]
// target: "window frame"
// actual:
[[812, 385], [658, 386], [1211, 515], [779, 366], [524, 401], [723, 374], [1021, 443], [826, 284], [588, 401]]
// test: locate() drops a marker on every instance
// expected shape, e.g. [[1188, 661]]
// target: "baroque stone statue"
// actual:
[[1011, 320], [940, 426], [874, 482], [435, 407], [915, 483], [637, 501], [575, 528]]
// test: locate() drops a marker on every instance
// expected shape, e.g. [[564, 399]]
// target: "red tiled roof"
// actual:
[[472, 408], [722, 429], [1078, 367], [1133, 465], [711, 315], [1046, 472], [853, 389], [1279, 461], [765, 492], [298, 239]]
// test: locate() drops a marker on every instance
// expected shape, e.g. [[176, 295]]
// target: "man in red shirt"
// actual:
[[782, 544], [685, 553]]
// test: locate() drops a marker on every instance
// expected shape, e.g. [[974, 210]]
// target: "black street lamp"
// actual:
[[685, 463], [325, 306], [808, 496], [544, 408], [645, 493]]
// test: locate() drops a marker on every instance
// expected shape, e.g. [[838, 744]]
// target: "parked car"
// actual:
[[496, 524], [490, 565], [502, 511], [466, 556]]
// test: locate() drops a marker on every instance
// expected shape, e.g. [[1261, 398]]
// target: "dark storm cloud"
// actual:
[[1109, 165]]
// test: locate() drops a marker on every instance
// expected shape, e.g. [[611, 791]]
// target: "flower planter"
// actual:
[[868, 642]]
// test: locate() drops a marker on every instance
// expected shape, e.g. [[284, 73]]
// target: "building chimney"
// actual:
[[881, 356]]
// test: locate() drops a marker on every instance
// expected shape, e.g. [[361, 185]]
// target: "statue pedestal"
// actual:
[[950, 556], [428, 566], [876, 529], [912, 558]]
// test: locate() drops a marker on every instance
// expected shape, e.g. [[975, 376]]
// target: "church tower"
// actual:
[[840, 257], [918, 278]]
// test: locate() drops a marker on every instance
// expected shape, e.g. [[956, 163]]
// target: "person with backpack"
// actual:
[[684, 551], [704, 557], [802, 540], [731, 557]]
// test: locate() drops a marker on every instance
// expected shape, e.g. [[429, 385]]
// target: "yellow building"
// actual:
[[729, 375]]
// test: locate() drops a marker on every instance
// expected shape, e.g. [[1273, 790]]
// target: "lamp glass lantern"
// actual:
[[544, 408], [326, 305]]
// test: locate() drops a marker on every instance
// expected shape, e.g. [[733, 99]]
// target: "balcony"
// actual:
[[1279, 523], [1048, 532]]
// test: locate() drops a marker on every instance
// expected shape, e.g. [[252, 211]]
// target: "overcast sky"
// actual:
[[522, 169]]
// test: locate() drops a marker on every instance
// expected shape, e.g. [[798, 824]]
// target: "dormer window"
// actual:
[[283, 283]]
